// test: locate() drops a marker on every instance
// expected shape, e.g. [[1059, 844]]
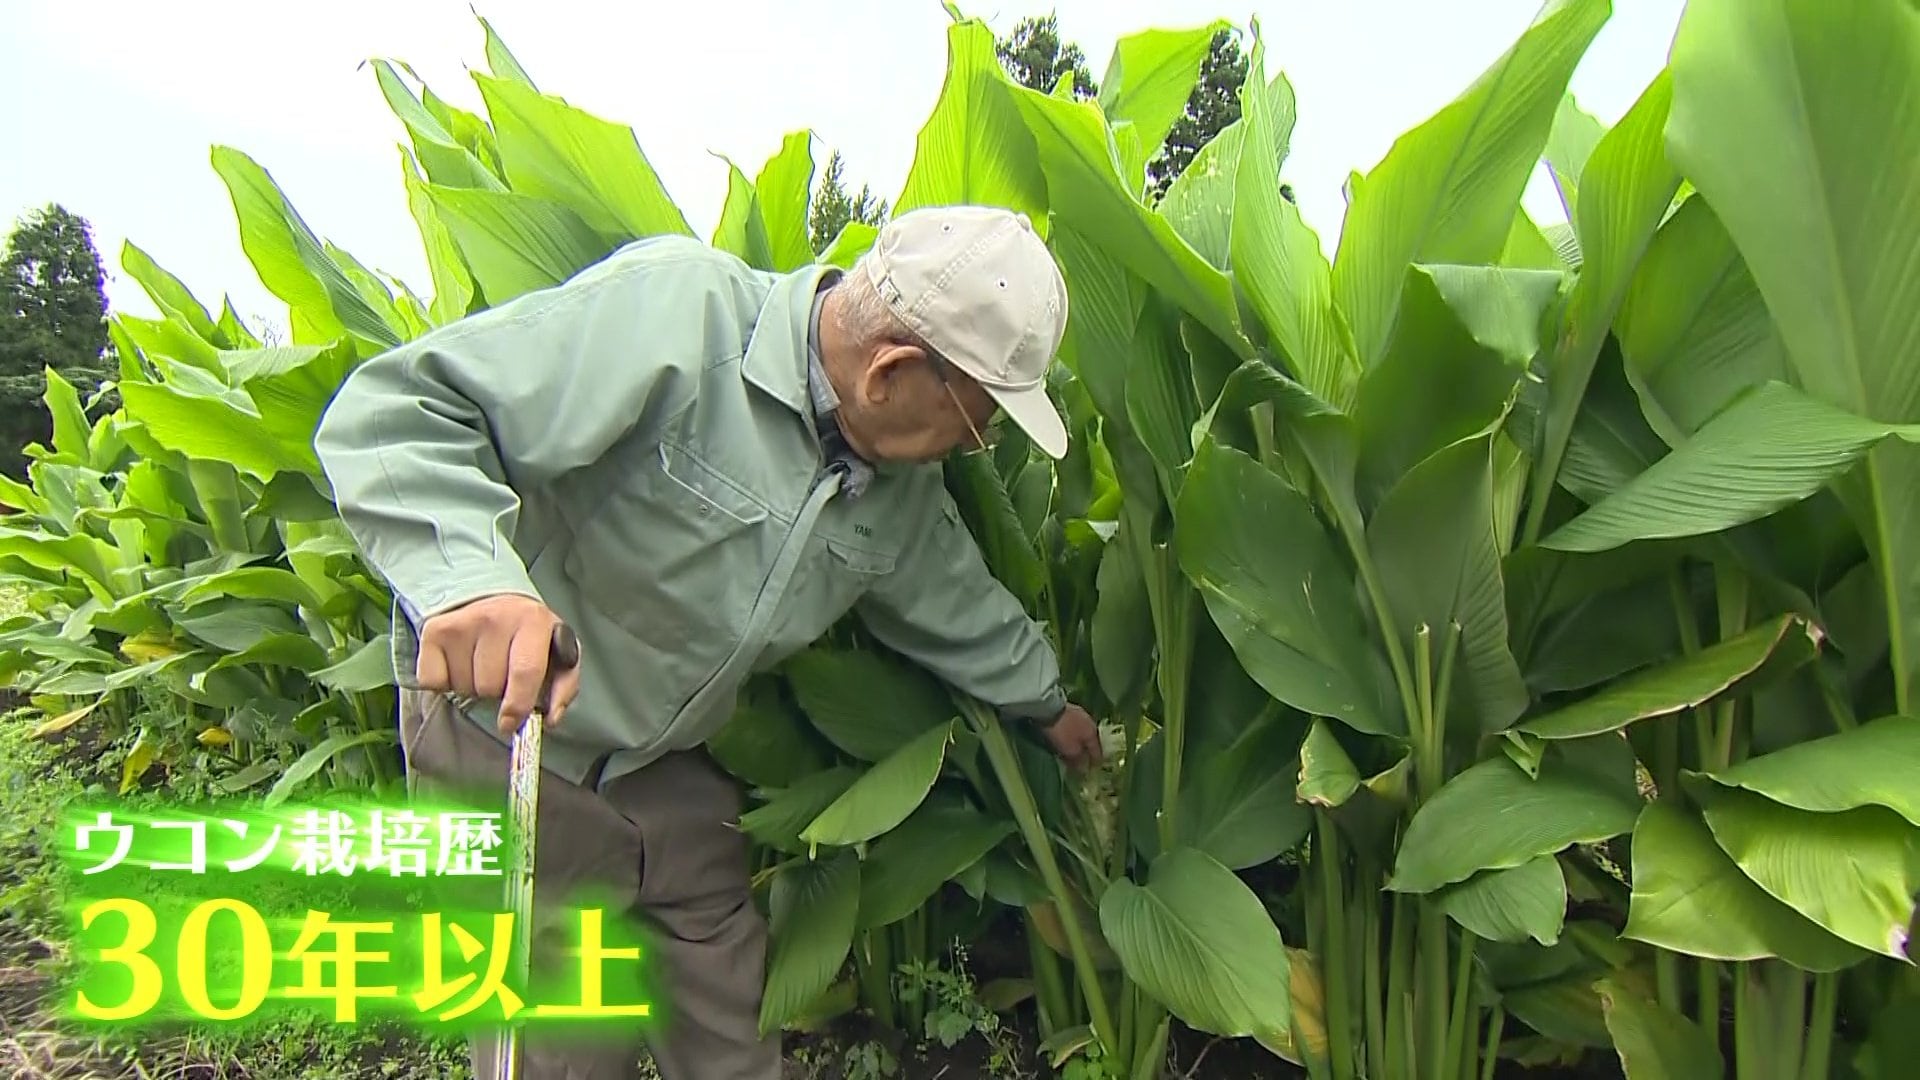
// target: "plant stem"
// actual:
[[1707, 1008], [1389, 629], [1731, 592], [1459, 1045], [873, 968], [1816, 1062], [1050, 992], [1020, 798], [1400, 986], [1749, 1057], [1176, 661], [1434, 993], [1496, 1024], [1890, 584], [1149, 1045], [1327, 865], [1426, 769], [1689, 629], [1666, 970], [1371, 990], [1151, 1060], [1122, 833]]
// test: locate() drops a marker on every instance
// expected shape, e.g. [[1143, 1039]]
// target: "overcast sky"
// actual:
[[113, 105]]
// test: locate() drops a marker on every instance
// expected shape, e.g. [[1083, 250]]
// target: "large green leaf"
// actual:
[[443, 157], [886, 794], [291, 388], [554, 151], [1854, 872], [1653, 1041], [849, 244], [1150, 77], [1569, 146], [1160, 397], [1798, 91], [1327, 775], [452, 280], [767, 742], [994, 524], [291, 261], [1105, 313], [1446, 191], [866, 704], [812, 914], [1276, 589], [1493, 816], [1122, 629], [1679, 684], [1277, 257], [1772, 447], [936, 844], [1237, 802], [742, 229], [974, 147], [781, 190], [170, 294], [515, 243], [1462, 344], [1689, 897], [1625, 190], [1199, 202], [1514, 904], [215, 429], [1875, 764], [315, 759], [1322, 435], [777, 823], [71, 431], [1439, 567], [1197, 939], [500, 60], [1089, 195], [1694, 331], [369, 667], [1816, 98]]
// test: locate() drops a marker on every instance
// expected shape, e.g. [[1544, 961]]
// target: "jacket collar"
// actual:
[[776, 358]]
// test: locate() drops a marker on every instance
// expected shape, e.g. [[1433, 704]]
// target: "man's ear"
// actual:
[[880, 377]]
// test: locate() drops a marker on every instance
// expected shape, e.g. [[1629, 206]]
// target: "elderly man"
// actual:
[[699, 467]]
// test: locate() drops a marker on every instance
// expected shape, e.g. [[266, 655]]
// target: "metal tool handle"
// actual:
[[523, 796]]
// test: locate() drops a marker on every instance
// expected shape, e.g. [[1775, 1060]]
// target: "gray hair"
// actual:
[[864, 315]]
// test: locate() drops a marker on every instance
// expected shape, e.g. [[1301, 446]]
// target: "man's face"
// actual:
[[914, 407]]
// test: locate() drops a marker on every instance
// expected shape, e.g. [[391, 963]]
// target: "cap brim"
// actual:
[[1034, 412]]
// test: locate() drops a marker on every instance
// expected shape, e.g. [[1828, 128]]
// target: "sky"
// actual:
[[114, 106]]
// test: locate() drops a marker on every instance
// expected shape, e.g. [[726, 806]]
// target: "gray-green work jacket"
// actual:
[[637, 449]]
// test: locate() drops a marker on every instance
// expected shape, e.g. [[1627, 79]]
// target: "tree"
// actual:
[[53, 314], [52, 293], [832, 208], [1036, 59], [1214, 103]]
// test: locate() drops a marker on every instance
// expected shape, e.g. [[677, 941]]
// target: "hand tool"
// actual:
[[523, 796]]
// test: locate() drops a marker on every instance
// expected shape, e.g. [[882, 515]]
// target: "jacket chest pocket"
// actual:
[[676, 554]]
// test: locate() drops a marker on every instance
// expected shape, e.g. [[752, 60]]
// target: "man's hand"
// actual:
[[1076, 738], [496, 648]]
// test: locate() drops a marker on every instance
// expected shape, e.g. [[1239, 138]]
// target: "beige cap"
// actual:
[[979, 285]]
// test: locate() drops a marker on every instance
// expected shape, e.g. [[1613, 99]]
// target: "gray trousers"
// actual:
[[662, 841]]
